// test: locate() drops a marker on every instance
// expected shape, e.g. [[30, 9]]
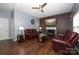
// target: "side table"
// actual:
[[20, 38], [77, 47]]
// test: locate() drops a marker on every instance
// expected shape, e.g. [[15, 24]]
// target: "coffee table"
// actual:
[[42, 37]]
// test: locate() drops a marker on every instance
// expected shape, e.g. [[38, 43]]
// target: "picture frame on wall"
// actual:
[[51, 22]]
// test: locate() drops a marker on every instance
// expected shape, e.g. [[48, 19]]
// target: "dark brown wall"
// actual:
[[64, 22]]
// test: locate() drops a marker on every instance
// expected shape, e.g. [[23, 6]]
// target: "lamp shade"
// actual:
[[21, 28], [40, 28]]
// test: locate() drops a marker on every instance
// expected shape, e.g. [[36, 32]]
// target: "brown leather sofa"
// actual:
[[30, 33], [66, 42]]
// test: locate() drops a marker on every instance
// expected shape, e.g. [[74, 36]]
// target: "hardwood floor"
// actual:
[[29, 47]]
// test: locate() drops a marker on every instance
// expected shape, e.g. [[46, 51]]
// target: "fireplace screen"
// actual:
[[50, 32], [51, 22]]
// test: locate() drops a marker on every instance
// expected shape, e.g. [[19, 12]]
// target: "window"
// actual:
[[76, 23]]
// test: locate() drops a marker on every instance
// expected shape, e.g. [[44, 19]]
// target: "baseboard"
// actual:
[[6, 39], [14, 39]]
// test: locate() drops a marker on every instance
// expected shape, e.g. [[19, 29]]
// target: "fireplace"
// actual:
[[51, 31]]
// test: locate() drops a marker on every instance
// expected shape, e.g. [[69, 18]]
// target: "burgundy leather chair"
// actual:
[[66, 42], [30, 33]]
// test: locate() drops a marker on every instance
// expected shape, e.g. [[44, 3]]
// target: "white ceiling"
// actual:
[[49, 9]]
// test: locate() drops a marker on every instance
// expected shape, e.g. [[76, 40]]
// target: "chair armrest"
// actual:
[[62, 42], [60, 35]]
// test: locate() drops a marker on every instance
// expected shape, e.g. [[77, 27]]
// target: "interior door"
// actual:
[[4, 28]]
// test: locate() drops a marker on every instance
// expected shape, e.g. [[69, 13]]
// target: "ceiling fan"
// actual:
[[40, 7]]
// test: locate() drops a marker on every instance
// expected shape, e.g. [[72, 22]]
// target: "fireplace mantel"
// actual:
[[51, 28]]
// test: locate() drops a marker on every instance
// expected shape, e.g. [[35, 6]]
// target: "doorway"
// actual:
[[4, 28]]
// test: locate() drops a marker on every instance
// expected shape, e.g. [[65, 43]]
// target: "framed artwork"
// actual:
[[51, 22]]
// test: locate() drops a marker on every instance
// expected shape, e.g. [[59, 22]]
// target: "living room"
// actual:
[[39, 29]]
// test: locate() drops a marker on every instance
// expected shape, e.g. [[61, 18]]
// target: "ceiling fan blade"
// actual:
[[35, 7], [44, 5]]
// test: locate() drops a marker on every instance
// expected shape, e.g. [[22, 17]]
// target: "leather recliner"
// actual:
[[66, 42], [30, 33]]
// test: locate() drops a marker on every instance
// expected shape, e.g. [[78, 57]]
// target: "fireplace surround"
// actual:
[[51, 31]]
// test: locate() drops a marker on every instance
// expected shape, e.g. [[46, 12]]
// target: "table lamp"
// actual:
[[21, 30]]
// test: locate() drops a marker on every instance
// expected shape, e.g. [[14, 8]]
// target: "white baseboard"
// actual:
[[14, 39]]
